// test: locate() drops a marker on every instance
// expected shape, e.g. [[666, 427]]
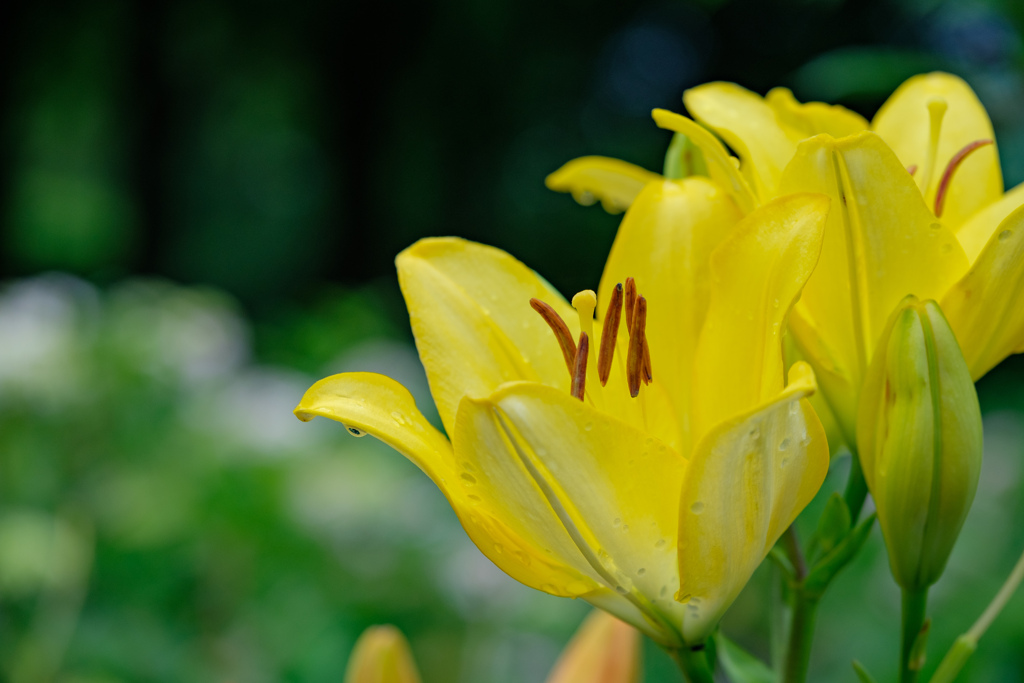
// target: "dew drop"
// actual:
[[783, 462], [620, 590], [469, 477], [784, 444], [588, 426], [473, 497], [695, 601], [946, 248], [664, 591], [684, 599], [398, 417], [617, 521], [641, 571], [468, 466], [697, 508], [775, 304], [661, 543], [755, 433], [354, 431], [1005, 235], [625, 527], [499, 548]]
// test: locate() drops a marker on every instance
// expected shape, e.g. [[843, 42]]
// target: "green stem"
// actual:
[[804, 609], [693, 662], [801, 634], [966, 644], [856, 487], [915, 602]]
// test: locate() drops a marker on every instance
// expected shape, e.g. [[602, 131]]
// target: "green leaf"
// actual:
[[834, 524], [862, 674], [739, 665], [830, 564]]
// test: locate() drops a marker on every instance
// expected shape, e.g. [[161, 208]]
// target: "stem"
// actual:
[[804, 609], [856, 487], [693, 663], [801, 633], [965, 645], [915, 602]]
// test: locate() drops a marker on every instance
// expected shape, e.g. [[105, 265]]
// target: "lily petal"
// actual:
[[604, 650], [802, 121], [665, 241], [378, 405], [469, 307], [615, 183], [746, 482], [979, 228], [749, 126], [756, 276], [881, 243], [590, 489], [723, 168], [984, 308], [903, 122]]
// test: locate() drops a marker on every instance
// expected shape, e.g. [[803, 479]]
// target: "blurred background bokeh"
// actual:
[[201, 203]]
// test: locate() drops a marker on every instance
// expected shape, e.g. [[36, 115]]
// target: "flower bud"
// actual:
[[381, 655], [919, 438], [604, 650]]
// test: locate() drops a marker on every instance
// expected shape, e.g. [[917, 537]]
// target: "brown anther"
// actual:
[[609, 335], [637, 345], [561, 330], [912, 169], [947, 176], [630, 296], [579, 373]]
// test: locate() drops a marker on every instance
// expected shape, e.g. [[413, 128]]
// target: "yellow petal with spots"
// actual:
[[604, 650], [756, 276], [749, 126], [615, 183], [979, 228], [379, 406], [984, 308], [585, 486], [723, 168], [665, 242], [381, 655], [469, 307], [881, 243], [802, 121], [746, 482], [904, 123]]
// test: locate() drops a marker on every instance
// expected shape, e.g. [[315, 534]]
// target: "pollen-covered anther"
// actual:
[[635, 357], [947, 176], [579, 373], [561, 330], [609, 335]]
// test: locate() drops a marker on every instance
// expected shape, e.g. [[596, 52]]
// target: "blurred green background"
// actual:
[[201, 202]]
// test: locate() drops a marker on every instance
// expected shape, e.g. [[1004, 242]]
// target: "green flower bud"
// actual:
[[919, 438]]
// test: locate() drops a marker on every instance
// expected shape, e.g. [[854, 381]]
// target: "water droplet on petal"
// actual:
[[588, 426], [684, 598], [784, 444], [355, 431], [620, 590], [617, 521], [641, 571], [661, 543], [469, 477], [697, 508], [398, 417], [1005, 235]]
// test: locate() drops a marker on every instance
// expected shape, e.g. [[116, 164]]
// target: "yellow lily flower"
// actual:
[[603, 650], [919, 209], [648, 468]]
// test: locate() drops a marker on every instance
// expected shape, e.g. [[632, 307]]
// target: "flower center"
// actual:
[[577, 354]]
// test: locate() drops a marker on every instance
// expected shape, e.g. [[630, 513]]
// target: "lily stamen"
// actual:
[[609, 334], [947, 176], [635, 356], [631, 298], [561, 330], [579, 374]]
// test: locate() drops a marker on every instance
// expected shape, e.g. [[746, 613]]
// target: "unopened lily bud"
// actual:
[[604, 650], [919, 437], [381, 655]]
